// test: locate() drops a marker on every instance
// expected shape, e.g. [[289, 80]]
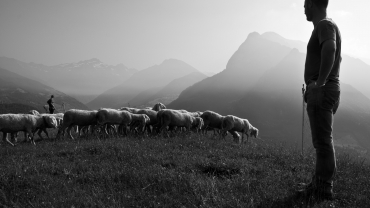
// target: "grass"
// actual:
[[182, 171]]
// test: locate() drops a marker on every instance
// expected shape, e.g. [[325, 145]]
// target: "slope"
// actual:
[[169, 92], [17, 89], [156, 76], [83, 80], [255, 56]]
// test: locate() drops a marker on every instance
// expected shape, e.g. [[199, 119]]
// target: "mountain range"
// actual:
[[142, 86], [24, 92], [84, 80]]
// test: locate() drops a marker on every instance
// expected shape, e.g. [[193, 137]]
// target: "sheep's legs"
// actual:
[[5, 138], [69, 129]]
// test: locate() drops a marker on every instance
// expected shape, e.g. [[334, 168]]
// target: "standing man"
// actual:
[[51, 104], [321, 76]]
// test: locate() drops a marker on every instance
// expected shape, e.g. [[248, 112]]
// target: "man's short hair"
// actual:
[[52, 96], [321, 3]]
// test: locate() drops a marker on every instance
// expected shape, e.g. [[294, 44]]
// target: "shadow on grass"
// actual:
[[222, 171]]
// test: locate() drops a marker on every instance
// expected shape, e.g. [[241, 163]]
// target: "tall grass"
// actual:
[[182, 171]]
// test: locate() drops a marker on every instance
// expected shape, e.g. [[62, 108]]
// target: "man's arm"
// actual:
[[327, 60]]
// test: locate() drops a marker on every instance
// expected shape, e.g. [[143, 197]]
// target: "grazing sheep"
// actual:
[[233, 123], [139, 120], [198, 124], [172, 118], [212, 120], [13, 123], [158, 107], [77, 117], [152, 116], [195, 114], [114, 117], [128, 109], [59, 119], [33, 112]]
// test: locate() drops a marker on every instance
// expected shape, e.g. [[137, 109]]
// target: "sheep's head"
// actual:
[[254, 132], [34, 112], [198, 123], [159, 106], [51, 121]]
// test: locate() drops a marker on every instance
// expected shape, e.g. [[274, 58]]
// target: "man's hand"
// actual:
[[314, 85]]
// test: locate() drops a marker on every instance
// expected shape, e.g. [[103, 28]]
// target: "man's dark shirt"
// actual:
[[326, 29], [51, 102]]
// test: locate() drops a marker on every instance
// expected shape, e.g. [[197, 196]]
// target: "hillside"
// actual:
[[255, 56], [83, 80], [156, 76], [169, 92], [17, 89]]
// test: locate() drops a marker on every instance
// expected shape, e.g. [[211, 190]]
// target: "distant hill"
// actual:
[[84, 80], [252, 59], [155, 77], [169, 92], [16, 89]]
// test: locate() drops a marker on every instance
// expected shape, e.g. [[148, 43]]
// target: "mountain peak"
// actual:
[[92, 60], [171, 61], [253, 35]]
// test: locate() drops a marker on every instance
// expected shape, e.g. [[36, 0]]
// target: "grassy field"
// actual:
[[183, 171]]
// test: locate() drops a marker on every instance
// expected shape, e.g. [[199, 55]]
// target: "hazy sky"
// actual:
[[141, 33]]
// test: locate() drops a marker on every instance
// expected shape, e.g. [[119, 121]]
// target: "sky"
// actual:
[[142, 33]]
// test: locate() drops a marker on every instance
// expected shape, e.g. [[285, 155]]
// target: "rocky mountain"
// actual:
[[274, 37], [252, 59], [83, 80], [16, 89], [147, 80]]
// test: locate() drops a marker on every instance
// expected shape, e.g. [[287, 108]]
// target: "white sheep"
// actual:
[[233, 123], [75, 117], [158, 107], [152, 114], [128, 109], [58, 117], [33, 112], [139, 120], [13, 123], [173, 118], [113, 117], [121, 117], [212, 120]]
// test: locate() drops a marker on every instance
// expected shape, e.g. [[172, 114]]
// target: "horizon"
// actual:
[[141, 34]]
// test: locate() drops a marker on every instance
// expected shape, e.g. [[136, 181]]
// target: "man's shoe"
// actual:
[[320, 192]]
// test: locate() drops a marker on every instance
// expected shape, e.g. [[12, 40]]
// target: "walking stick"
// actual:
[[303, 91]]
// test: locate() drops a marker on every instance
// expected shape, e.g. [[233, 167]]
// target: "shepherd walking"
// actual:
[[51, 104]]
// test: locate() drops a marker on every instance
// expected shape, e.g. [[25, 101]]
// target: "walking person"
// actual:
[[51, 104], [321, 76]]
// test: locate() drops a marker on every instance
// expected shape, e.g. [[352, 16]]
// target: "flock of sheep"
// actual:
[[149, 121]]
